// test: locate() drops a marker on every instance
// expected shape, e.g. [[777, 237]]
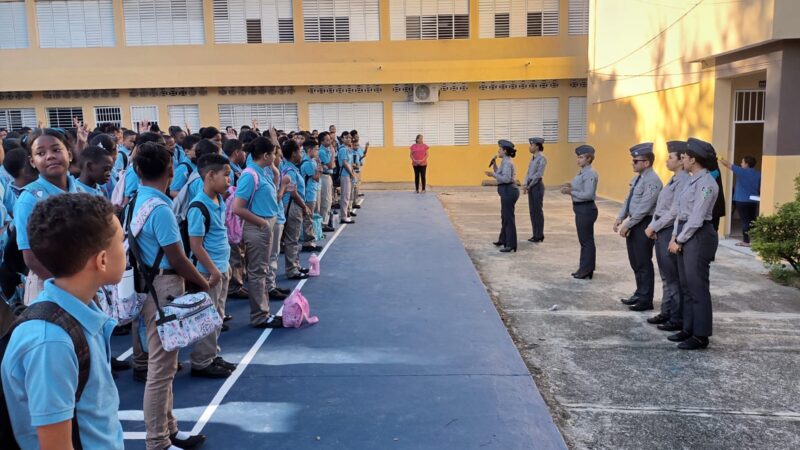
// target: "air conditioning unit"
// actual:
[[426, 93]]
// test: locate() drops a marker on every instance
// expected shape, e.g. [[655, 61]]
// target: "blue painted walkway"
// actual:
[[409, 353]]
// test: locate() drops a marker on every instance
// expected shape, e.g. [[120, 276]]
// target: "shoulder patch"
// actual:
[[706, 192]]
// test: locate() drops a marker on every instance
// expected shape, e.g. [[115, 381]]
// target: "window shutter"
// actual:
[[165, 22], [184, 114], [577, 119], [431, 19], [16, 118], [578, 17], [75, 23], [62, 117], [108, 114], [367, 118], [442, 123], [253, 21], [14, 32], [341, 20], [282, 116], [143, 113], [517, 119]]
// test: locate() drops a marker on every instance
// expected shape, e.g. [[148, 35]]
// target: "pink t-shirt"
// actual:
[[420, 153]]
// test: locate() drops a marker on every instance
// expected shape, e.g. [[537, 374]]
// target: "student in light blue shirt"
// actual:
[[311, 172], [184, 169], [343, 154], [78, 239], [130, 176], [96, 165], [195, 181], [295, 209], [124, 151], [276, 292], [232, 149], [17, 165]]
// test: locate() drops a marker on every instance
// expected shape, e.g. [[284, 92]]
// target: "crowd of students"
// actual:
[[173, 196]]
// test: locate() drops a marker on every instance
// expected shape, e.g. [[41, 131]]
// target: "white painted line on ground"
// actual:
[[127, 353]]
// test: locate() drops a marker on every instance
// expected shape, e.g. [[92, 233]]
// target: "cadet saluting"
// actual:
[[535, 188], [694, 240], [509, 194], [633, 218], [583, 189]]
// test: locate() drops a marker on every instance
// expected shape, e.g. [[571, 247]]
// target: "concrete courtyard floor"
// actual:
[[610, 379]]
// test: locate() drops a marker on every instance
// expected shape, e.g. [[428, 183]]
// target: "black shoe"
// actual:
[[508, 249], [283, 290], [347, 221], [224, 364], [669, 326], [122, 330], [304, 270], [140, 375], [541, 239], [584, 276], [299, 276], [352, 214], [272, 322], [499, 244], [634, 299], [224, 328], [532, 240], [227, 317], [360, 195], [657, 319], [356, 206], [120, 365], [275, 294], [192, 442], [180, 367], [694, 343], [642, 306], [328, 229], [311, 248], [680, 336], [212, 371], [240, 293]]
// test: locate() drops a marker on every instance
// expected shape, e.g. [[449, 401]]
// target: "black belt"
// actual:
[[504, 184], [583, 203], [710, 222]]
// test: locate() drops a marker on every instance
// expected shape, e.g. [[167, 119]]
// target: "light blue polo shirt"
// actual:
[[195, 187], [179, 156], [325, 157], [360, 156], [131, 181], [265, 202], [343, 156], [160, 229], [40, 376], [182, 174], [216, 240], [119, 164], [85, 188], [10, 197], [288, 168], [236, 170], [38, 190], [308, 168]]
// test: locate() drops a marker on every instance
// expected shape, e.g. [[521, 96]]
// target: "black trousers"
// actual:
[[671, 297], [535, 201], [748, 212], [585, 217], [640, 257], [419, 172], [509, 194], [694, 264]]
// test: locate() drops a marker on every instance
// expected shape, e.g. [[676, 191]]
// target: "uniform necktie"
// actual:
[[630, 195]]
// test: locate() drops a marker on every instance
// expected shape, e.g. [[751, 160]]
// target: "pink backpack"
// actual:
[[295, 310], [234, 223]]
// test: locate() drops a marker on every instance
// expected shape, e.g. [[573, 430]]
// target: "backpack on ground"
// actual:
[[234, 223], [295, 310], [49, 312]]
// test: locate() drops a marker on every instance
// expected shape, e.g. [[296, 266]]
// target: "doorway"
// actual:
[[748, 140]]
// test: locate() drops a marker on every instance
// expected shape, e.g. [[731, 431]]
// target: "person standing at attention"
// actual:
[[748, 183], [583, 190], [509, 194], [534, 187], [419, 160]]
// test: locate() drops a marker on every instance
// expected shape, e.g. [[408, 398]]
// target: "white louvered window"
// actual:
[[75, 23], [341, 20], [14, 31], [62, 117], [577, 119], [282, 116], [108, 114], [517, 119], [429, 19], [517, 18], [143, 114], [442, 123], [16, 118], [253, 21], [185, 114], [367, 118], [579, 17], [163, 22]]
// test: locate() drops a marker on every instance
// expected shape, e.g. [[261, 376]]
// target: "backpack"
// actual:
[[124, 161], [184, 226], [12, 268], [180, 205], [142, 274], [336, 176], [49, 312], [295, 310], [118, 194], [234, 223]]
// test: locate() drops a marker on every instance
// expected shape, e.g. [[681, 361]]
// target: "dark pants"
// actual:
[[585, 217], [535, 200], [748, 212], [671, 298], [640, 257], [419, 172], [694, 266], [509, 194]]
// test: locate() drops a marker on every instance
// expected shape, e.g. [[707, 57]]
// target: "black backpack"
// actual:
[[337, 172], [184, 227], [12, 268], [50, 312]]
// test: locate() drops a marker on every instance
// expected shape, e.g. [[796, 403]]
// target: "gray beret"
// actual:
[[584, 149], [642, 149], [536, 140], [701, 148], [676, 146], [505, 143]]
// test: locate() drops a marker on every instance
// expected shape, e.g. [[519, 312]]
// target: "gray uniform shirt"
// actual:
[[535, 170], [505, 173], [662, 216], [641, 200], [695, 205], [584, 185]]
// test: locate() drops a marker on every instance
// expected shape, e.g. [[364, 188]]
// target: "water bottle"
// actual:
[[313, 265]]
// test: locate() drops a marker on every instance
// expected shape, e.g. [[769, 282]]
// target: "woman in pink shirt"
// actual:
[[419, 159]]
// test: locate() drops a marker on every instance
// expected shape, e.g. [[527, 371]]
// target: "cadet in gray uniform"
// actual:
[[633, 218], [534, 187], [509, 194], [660, 229], [583, 191], [695, 241]]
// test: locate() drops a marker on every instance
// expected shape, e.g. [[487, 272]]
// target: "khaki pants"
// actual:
[[308, 224], [257, 244], [325, 197], [206, 349], [33, 287], [291, 237], [274, 251], [237, 267], [161, 368], [344, 201]]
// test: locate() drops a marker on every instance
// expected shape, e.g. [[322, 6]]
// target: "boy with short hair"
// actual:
[[40, 369], [96, 164], [295, 209], [311, 172], [18, 166]]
